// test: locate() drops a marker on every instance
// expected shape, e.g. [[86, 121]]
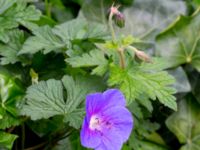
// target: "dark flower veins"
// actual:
[[108, 123]]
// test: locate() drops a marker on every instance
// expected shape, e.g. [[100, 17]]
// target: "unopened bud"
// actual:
[[143, 56], [119, 20]]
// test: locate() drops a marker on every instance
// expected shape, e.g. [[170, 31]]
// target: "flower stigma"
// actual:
[[95, 123]]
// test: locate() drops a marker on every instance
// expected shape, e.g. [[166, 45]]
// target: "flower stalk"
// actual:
[[114, 11]]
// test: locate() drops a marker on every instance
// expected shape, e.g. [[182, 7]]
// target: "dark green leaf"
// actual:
[[185, 124], [173, 45], [147, 17], [181, 81]]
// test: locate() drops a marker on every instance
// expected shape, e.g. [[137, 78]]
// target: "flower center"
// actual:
[[95, 123]]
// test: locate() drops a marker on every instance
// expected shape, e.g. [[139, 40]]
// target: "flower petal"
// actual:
[[121, 120], [111, 140], [114, 97], [98, 102], [89, 138], [93, 104]]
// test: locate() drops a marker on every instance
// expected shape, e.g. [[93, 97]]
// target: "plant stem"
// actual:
[[120, 50], [37, 146], [48, 8], [111, 26], [23, 136], [122, 60]]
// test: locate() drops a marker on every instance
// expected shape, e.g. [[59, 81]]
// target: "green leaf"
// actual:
[[7, 119], [185, 124], [96, 10], [44, 39], [173, 45], [181, 80], [5, 4], [46, 99], [46, 127], [7, 140], [156, 14], [95, 58], [10, 95], [9, 50], [195, 83], [18, 13], [134, 81], [70, 143], [80, 29], [153, 142]]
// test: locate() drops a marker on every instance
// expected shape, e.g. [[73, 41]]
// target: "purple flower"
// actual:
[[108, 123]]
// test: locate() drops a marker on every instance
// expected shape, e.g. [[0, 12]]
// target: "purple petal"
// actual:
[[121, 120], [97, 102], [89, 138], [113, 97], [93, 104], [111, 140]]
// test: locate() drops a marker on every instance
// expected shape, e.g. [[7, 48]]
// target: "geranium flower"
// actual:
[[108, 123]]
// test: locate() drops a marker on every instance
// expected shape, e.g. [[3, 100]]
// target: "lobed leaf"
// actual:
[[135, 82], [95, 58], [47, 99], [179, 50]]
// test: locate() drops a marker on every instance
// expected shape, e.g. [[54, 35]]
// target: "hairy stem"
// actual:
[[111, 26], [120, 50], [122, 58]]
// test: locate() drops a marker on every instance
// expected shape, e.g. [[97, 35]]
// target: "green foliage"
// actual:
[[44, 39], [7, 140], [10, 95], [62, 50], [134, 82], [94, 58], [155, 17], [173, 45], [46, 99], [9, 50], [185, 124], [17, 12]]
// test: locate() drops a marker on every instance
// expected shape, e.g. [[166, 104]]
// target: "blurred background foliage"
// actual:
[[42, 34]]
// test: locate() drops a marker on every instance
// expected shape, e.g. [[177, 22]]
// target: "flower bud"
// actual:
[[119, 19], [143, 56]]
